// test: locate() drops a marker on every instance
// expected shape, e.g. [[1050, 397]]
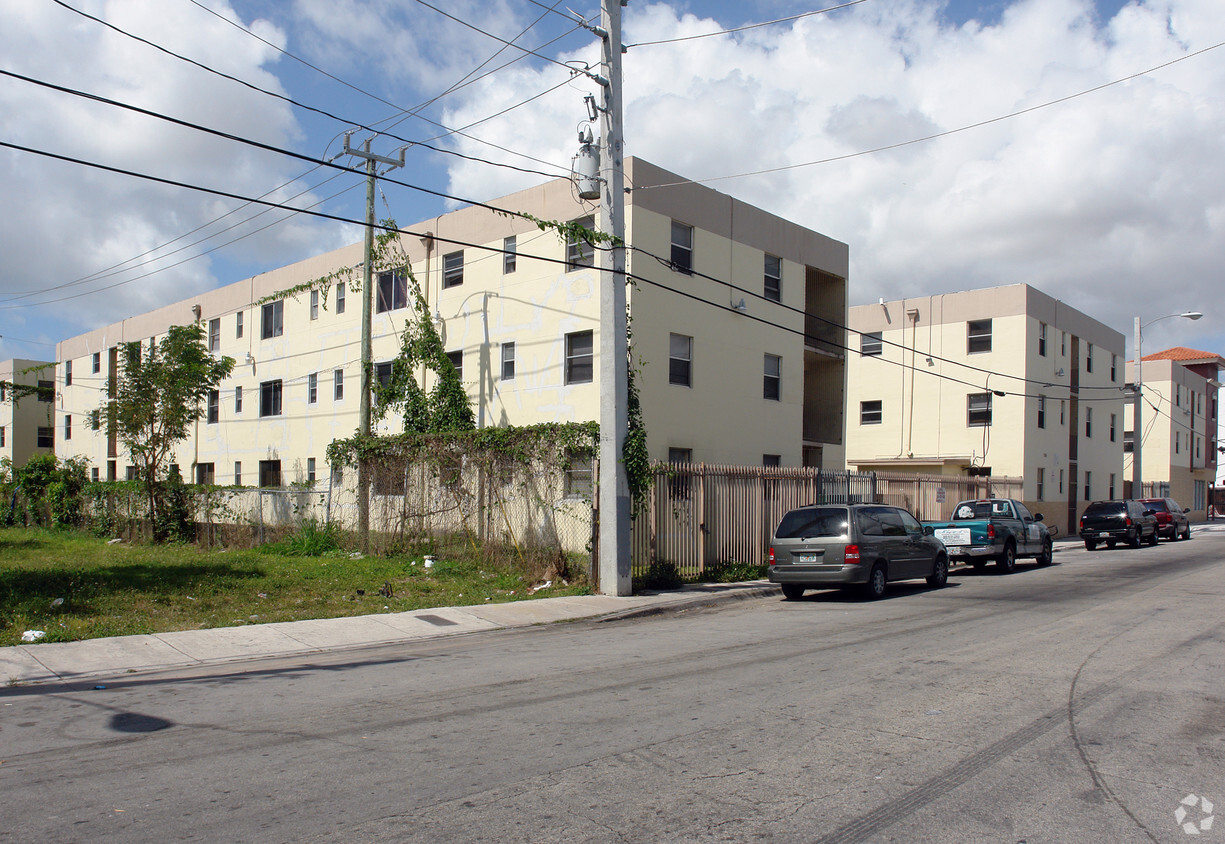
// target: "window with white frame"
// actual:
[[772, 378], [312, 388], [1088, 422], [214, 335], [314, 304], [340, 297], [680, 360], [237, 473], [338, 384], [457, 361], [1088, 357], [1110, 491], [238, 399], [508, 361], [1041, 483], [1088, 486], [1114, 421], [1042, 339], [579, 249], [580, 357], [871, 343], [238, 326], [67, 373], [214, 406], [870, 412], [510, 254], [978, 336], [272, 322], [67, 426], [978, 410], [773, 289], [453, 269], [682, 247], [393, 291], [1041, 411], [310, 470], [1114, 368]]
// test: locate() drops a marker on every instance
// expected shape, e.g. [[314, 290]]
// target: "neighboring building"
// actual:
[[27, 424], [1179, 457], [1004, 381], [720, 382]]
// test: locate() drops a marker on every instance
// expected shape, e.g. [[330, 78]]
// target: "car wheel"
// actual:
[[1047, 554], [877, 583], [793, 591], [939, 575], [1186, 534], [1090, 545], [1133, 539], [1007, 562], [1152, 540]]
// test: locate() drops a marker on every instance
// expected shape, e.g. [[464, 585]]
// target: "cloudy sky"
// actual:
[[1108, 196]]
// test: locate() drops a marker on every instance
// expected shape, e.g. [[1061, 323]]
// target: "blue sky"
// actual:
[[1110, 201]]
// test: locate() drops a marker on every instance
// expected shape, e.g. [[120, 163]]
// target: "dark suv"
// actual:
[[1118, 521], [1172, 521]]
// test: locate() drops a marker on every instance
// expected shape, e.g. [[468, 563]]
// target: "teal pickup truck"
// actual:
[[999, 529]]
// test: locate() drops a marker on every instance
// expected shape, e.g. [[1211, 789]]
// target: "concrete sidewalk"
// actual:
[[60, 661]]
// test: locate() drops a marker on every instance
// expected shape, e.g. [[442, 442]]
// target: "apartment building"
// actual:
[[999, 381], [1180, 420], [27, 420], [736, 322]]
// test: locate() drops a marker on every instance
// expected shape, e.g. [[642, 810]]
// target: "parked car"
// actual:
[[844, 545], [1172, 521], [1000, 529], [1125, 520]]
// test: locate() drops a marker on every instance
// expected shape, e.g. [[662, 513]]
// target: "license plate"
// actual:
[[807, 558], [1104, 533], [955, 549]]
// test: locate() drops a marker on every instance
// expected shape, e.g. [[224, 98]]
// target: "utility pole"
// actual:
[[363, 482], [614, 497]]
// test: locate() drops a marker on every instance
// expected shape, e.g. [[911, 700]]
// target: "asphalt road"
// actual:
[[1081, 702]]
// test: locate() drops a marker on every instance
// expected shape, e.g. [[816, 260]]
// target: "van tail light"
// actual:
[[990, 531], [851, 555], [771, 555], [1127, 521]]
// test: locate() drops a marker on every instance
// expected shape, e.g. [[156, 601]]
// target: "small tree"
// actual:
[[160, 391]]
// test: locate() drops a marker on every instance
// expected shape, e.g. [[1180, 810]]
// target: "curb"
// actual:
[[717, 595]]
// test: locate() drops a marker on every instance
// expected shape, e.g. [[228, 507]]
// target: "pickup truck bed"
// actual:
[[994, 529]]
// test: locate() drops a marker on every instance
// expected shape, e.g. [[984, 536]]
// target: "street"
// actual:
[[1081, 702]]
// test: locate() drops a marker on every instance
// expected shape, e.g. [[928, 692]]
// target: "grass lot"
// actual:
[[120, 589]]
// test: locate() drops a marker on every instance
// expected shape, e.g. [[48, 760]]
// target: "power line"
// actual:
[[746, 26], [946, 133]]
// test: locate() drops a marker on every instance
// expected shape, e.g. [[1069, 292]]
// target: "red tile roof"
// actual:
[[1183, 355]]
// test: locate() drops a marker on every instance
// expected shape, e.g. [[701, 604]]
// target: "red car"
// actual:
[[1172, 522]]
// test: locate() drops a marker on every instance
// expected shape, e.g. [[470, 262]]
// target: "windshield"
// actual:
[[813, 521]]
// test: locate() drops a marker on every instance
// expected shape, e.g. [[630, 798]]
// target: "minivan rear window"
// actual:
[[1105, 508], [813, 521], [1157, 504]]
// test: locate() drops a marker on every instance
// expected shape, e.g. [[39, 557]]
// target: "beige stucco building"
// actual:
[[1003, 381], [736, 328], [27, 423], [1179, 441]]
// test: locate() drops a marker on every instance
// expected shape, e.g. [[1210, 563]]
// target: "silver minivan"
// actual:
[[842, 545]]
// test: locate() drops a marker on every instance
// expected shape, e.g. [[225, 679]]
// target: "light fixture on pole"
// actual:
[[1137, 436]]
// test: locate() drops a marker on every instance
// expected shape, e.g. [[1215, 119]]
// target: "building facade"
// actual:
[[1005, 381], [27, 420], [1179, 455], [736, 322]]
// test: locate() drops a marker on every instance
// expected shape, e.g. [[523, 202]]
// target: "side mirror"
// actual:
[[1037, 517], [1186, 509], [928, 530]]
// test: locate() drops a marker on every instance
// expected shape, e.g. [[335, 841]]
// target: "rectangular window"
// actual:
[[680, 360], [1114, 372], [67, 426], [270, 398], [382, 373], [580, 357], [771, 460], [130, 473], [238, 399], [314, 304], [774, 278], [579, 250], [1177, 442], [772, 378], [1114, 421], [269, 473], [273, 320], [680, 455], [46, 391], [46, 437], [97, 362], [1088, 361], [1061, 482], [95, 420], [1041, 411], [1177, 396], [1088, 422], [214, 335], [457, 361], [338, 384], [93, 473], [205, 474], [238, 325], [67, 373], [978, 336], [1088, 486], [870, 412], [508, 361], [1110, 494], [453, 269], [1042, 339], [1128, 442], [312, 388], [1, 436], [214, 406], [510, 249], [237, 473], [682, 247], [871, 343], [978, 410], [578, 480], [1063, 352], [1041, 482], [1061, 413], [340, 297], [393, 292], [310, 470]]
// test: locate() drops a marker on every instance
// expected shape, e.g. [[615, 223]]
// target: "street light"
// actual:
[[1137, 437]]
